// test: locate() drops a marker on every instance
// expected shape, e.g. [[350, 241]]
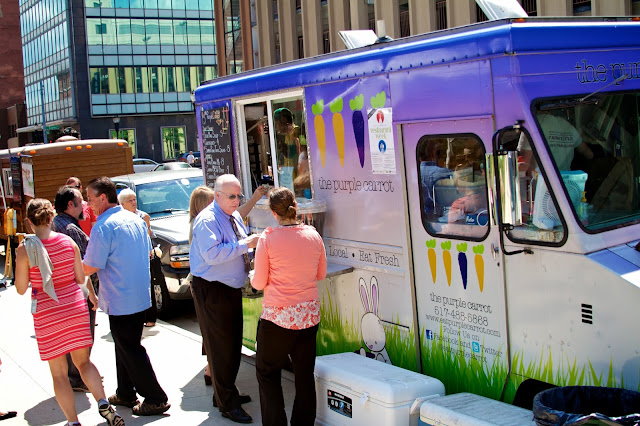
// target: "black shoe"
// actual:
[[237, 415], [244, 399]]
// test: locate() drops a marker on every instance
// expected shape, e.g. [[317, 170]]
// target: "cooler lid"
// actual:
[[383, 382]]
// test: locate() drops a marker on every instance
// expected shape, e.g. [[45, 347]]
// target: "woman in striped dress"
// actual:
[[51, 262]]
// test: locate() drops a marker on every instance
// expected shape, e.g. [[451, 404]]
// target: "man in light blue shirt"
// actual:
[[219, 259], [118, 251]]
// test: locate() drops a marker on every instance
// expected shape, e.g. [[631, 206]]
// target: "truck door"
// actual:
[[457, 268]]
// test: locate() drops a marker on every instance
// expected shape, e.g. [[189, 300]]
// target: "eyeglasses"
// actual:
[[233, 196], [75, 186]]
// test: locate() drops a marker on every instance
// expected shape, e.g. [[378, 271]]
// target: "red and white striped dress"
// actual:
[[62, 326]]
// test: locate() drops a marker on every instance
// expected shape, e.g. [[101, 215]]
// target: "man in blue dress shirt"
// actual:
[[219, 259], [118, 251]]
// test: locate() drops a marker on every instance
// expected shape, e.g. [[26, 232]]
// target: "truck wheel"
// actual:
[[163, 301]]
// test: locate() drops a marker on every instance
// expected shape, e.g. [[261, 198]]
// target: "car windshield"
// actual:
[[595, 146], [166, 197]]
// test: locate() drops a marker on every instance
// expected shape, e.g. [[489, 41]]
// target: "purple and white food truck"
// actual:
[[477, 190]]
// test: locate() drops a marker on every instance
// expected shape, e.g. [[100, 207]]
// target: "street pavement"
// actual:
[[175, 352]]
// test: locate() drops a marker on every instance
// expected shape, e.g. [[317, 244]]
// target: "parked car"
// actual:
[[141, 165], [165, 197], [183, 158], [172, 165]]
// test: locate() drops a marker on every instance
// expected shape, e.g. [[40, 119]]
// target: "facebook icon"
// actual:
[[429, 334]]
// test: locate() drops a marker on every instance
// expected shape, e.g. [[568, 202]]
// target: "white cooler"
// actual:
[[472, 410], [355, 390]]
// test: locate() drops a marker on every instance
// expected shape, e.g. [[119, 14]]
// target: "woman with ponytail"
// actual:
[[289, 261]]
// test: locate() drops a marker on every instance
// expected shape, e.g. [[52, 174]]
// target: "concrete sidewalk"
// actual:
[[175, 353]]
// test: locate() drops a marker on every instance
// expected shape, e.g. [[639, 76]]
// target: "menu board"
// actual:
[[217, 155]]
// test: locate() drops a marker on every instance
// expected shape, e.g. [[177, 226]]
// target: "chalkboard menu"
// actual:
[[217, 158], [16, 178]]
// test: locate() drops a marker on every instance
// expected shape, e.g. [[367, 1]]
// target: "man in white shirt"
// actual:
[[191, 159]]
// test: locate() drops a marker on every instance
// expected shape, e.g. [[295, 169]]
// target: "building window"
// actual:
[[326, 45], [441, 14], [128, 135], [174, 142], [300, 47], [581, 6], [529, 6], [101, 28], [480, 16], [405, 29]]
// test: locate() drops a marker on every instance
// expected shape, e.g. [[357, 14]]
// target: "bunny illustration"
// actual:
[[372, 330]]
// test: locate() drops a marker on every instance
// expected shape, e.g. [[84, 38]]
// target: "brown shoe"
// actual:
[[148, 409], [116, 400]]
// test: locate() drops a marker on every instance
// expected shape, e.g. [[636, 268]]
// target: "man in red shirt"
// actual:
[[89, 217]]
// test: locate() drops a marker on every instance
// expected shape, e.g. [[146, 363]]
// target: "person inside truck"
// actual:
[[288, 146], [431, 171], [561, 136]]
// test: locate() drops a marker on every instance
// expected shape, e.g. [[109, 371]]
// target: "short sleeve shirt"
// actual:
[[561, 137], [119, 247]]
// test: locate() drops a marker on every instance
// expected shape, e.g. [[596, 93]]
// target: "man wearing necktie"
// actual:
[[219, 258]]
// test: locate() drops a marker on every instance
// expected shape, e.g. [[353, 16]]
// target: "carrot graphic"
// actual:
[[478, 250], [446, 259], [357, 120], [462, 262], [338, 127], [318, 123], [431, 254]]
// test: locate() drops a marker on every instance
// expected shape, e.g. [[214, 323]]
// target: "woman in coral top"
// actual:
[[51, 262], [289, 261]]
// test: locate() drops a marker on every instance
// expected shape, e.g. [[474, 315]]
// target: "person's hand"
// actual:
[[260, 192], [252, 240], [93, 299]]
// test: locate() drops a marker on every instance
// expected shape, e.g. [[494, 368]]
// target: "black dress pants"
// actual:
[[74, 375], [219, 312], [275, 344], [134, 370]]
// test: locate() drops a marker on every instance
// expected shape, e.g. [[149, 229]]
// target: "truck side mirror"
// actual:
[[505, 173]]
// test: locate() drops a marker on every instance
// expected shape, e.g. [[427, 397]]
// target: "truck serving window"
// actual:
[[453, 186], [277, 154], [595, 146]]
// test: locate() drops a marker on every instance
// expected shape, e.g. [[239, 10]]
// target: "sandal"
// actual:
[[148, 409], [116, 400], [111, 416], [149, 324]]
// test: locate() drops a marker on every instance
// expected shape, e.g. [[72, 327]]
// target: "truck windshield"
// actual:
[[595, 146], [166, 197]]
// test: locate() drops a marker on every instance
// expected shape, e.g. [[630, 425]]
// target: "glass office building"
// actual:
[[90, 61]]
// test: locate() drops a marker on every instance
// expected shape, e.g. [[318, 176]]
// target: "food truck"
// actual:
[[478, 191], [39, 170]]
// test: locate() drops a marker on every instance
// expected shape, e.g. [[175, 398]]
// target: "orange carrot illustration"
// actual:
[[318, 123], [338, 127], [478, 250], [431, 254], [446, 259]]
